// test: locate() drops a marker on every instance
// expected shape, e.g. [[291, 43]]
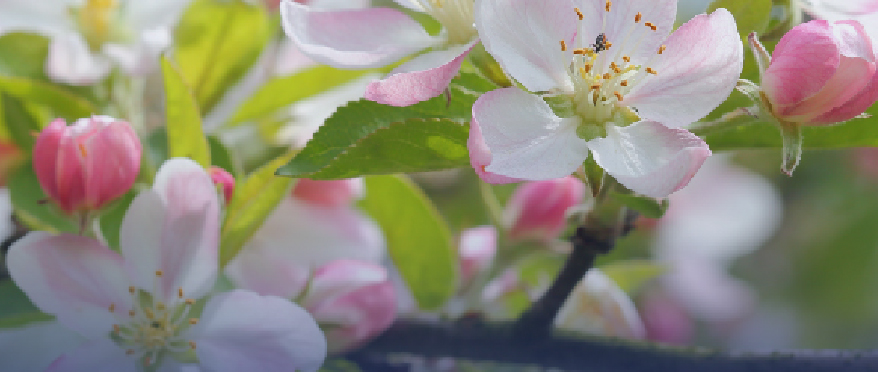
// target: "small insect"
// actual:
[[600, 43]]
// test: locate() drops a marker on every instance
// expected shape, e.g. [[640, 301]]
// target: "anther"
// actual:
[[180, 292], [651, 71], [131, 289], [192, 345], [662, 49], [608, 5], [618, 95], [609, 45], [129, 352], [160, 306], [607, 76], [596, 86], [581, 51], [578, 13], [563, 46], [193, 321], [626, 58], [116, 328], [131, 313], [617, 70], [638, 17], [149, 314], [624, 83], [158, 273], [586, 68], [190, 302], [650, 25], [82, 150], [112, 307]]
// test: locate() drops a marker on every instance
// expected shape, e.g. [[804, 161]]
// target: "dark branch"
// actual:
[[476, 341]]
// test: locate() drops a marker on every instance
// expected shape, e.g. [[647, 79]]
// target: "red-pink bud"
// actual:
[[537, 210], [355, 299], [332, 193], [820, 73], [223, 179], [477, 248], [84, 166]]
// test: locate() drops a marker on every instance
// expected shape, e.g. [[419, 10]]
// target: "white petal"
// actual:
[[48, 18], [102, 355], [242, 331], [174, 228], [142, 57], [629, 38], [526, 139], [696, 72], [35, 346], [598, 306], [525, 38], [75, 278], [359, 38], [412, 4], [649, 158], [260, 269], [144, 15], [71, 62]]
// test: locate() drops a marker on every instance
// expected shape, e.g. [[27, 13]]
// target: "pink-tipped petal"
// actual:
[[243, 331], [526, 139], [75, 278], [696, 72], [803, 61], [268, 273], [480, 156], [649, 158], [478, 246], [525, 38], [538, 210], [112, 160], [855, 106], [100, 355], [329, 193], [71, 62], [359, 38], [174, 228], [424, 77]]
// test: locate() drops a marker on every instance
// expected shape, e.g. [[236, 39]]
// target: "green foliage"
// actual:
[[417, 238], [750, 15], [20, 120], [23, 55], [62, 103], [17, 310], [358, 120], [221, 156], [631, 275], [111, 219], [216, 43], [183, 121], [281, 92], [855, 133], [32, 206], [646, 206], [254, 199]]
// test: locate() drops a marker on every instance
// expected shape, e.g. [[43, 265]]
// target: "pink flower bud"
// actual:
[[354, 299], [477, 248], [223, 179], [84, 166], [820, 73], [537, 210], [332, 193]]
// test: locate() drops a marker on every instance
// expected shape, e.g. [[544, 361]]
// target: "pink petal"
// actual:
[[174, 228], [538, 210], [525, 38], [260, 269], [112, 162], [630, 39], [329, 193], [45, 156], [526, 139], [101, 355], [478, 246], [650, 159], [359, 38], [803, 61], [696, 72], [480, 156], [71, 62], [243, 331], [75, 278], [855, 106], [424, 77]]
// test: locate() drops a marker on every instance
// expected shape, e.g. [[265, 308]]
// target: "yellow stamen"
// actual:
[[578, 13], [608, 5], [662, 49], [651, 71], [638, 17], [618, 95], [563, 46], [624, 83]]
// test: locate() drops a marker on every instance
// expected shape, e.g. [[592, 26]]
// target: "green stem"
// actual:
[[792, 146]]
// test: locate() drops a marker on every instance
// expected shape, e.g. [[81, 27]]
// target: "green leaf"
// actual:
[[254, 199], [283, 91], [111, 219], [221, 156], [360, 119], [21, 122], [631, 275], [216, 43], [183, 121], [750, 15], [20, 320], [32, 206], [473, 83], [854, 133], [15, 302], [417, 238], [415, 145], [646, 206], [23, 54], [63, 103]]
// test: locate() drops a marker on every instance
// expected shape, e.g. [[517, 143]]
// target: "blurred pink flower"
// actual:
[[598, 306], [84, 166], [224, 180], [538, 210], [478, 246], [136, 308], [330, 193], [820, 73]]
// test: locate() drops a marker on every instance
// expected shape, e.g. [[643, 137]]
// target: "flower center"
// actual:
[[456, 16], [97, 21], [601, 77], [154, 329]]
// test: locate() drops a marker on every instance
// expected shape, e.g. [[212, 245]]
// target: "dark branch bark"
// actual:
[[476, 341]]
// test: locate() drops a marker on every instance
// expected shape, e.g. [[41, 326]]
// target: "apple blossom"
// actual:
[[137, 309], [330, 193], [619, 82], [375, 37], [478, 246], [838, 10], [597, 305], [88, 37], [538, 210], [84, 166]]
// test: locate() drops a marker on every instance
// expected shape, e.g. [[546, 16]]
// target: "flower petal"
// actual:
[[648, 158], [629, 38], [174, 228], [359, 38], [75, 278], [141, 57], [424, 77], [243, 331], [855, 106], [803, 61], [525, 38], [101, 355], [71, 62], [480, 156], [35, 346], [526, 139], [259, 269], [42, 17], [696, 72]]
